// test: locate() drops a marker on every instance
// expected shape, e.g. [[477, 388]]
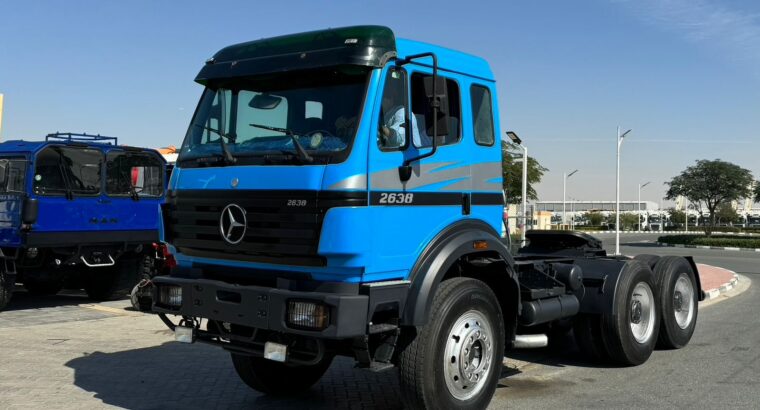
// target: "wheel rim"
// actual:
[[642, 312], [683, 301], [468, 355]]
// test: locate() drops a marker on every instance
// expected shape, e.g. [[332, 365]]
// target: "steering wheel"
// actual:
[[316, 137]]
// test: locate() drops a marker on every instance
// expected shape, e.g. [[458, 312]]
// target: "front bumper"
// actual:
[[264, 307]]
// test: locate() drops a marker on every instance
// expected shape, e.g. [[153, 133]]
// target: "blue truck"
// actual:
[[78, 211], [339, 193]]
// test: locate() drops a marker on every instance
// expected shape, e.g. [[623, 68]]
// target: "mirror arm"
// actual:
[[405, 170]]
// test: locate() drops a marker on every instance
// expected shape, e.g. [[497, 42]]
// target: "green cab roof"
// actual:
[[369, 46]]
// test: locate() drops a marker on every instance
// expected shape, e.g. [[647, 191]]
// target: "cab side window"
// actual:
[[134, 174], [421, 131], [391, 133], [482, 115], [12, 175]]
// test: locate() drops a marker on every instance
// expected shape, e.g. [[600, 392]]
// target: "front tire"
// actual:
[[274, 378], [455, 360], [678, 298]]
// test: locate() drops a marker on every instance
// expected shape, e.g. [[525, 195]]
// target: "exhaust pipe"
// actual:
[[530, 341]]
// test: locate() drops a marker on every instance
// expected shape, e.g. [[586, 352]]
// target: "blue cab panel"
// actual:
[[340, 214], [78, 188]]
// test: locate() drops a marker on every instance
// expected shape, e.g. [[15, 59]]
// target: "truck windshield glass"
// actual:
[[134, 175], [321, 108], [12, 173], [62, 170]]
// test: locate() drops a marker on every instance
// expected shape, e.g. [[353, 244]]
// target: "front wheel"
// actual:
[[275, 378], [455, 360]]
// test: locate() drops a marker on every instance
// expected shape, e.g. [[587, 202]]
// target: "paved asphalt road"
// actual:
[[720, 368], [63, 352]]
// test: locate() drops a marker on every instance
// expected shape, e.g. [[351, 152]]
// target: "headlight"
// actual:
[[308, 315], [169, 295]]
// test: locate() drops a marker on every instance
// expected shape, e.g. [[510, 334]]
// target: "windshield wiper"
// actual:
[[227, 157], [300, 151]]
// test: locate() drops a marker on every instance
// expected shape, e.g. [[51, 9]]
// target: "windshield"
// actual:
[[277, 118]]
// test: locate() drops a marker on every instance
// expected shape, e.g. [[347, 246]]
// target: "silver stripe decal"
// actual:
[[475, 177], [358, 181]]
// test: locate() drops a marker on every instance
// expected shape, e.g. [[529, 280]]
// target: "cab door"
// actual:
[[67, 181], [408, 214], [134, 188]]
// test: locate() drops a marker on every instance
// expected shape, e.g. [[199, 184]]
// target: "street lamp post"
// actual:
[[620, 138], [641, 186], [565, 176], [518, 141]]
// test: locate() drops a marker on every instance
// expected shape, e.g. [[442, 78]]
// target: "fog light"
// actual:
[[170, 295], [32, 253], [308, 315]]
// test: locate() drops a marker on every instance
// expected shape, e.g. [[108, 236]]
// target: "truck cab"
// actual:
[[339, 192], [78, 211]]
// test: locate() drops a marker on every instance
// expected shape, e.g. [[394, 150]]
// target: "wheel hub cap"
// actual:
[[683, 301], [468, 355], [642, 312]]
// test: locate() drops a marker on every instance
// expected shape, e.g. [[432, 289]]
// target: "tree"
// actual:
[[677, 217], [628, 221], [512, 173], [711, 184], [726, 214], [594, 218]]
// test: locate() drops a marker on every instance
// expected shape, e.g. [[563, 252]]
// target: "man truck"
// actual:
[[78, 211], [339, 192]]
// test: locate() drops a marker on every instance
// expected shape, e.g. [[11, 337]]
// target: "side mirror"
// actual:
[[439, 99], [30, 211]]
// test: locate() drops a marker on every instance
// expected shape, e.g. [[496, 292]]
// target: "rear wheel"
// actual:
[[277, 378], [677, 286], [631, 334], [455, 360], [113, 282]]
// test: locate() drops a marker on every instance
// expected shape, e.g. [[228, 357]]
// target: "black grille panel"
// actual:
[[282, 226]]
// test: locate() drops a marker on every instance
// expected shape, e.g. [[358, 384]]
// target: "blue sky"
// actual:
[[683, 74]]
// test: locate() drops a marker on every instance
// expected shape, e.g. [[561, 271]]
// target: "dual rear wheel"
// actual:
[[652, 309]]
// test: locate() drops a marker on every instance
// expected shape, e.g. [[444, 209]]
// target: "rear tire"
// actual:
[[276, 378], [587, 331], [649, 260], [677, 286], [113, 282], [630, 335], [454, 361]]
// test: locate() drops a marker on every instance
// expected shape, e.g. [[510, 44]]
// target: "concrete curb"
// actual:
[[674, 232], [721, 248], [714, 293]]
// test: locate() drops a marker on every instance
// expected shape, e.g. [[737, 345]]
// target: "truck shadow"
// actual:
[[180, 376], [175, 375], [22, 300]]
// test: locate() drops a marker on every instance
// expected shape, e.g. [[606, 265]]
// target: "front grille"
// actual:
[[283, 227]]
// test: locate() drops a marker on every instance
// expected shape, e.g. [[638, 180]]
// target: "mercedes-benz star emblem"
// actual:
[[232, 224]]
